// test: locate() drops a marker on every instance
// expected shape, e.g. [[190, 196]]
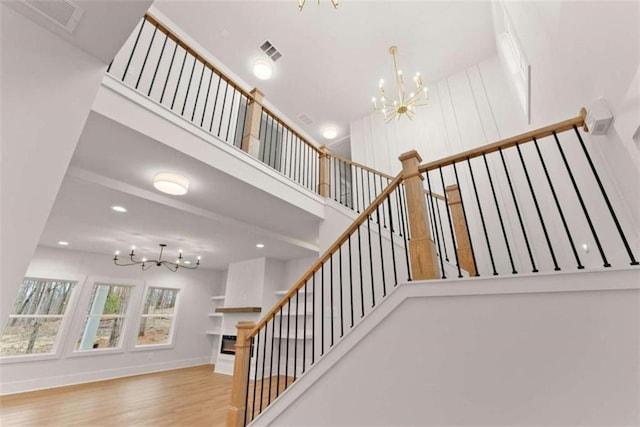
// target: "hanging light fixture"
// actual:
[[405, 104], [302, 2], [148, 263]]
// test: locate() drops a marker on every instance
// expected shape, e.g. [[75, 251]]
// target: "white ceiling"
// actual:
[[221, 218], [333, 59]]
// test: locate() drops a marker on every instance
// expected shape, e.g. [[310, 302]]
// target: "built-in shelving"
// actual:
[[214, 332], [218, 297], [214, 314], [238, 309]]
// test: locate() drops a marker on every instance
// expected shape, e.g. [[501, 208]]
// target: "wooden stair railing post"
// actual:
[[251, 137], [463, 247], [422, 251], [323, 186], [237, 407]]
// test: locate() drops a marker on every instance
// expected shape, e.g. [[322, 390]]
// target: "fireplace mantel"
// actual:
[[238, 310]]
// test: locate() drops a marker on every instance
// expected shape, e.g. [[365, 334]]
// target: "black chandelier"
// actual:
[[148, 263]]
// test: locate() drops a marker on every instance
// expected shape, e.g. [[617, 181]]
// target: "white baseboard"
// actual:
[[42, 383]]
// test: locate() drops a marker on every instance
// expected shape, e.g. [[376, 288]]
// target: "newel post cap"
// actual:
[[409, 155]]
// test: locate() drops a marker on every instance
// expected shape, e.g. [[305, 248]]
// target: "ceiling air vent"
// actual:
[[63, 13], [304, 118], [271, 51]]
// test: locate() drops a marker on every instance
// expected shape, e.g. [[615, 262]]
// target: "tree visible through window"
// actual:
[[156, 324], [34, 322], [105, 317]]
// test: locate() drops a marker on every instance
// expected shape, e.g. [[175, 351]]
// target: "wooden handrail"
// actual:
[[329, 252], [436, 195], [360, 165], [506, 143], [173, 36]]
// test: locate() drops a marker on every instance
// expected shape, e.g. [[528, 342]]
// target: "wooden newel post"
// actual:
[[463, 247], [237, 408], [251, 136], [422, 251], [323, 186]]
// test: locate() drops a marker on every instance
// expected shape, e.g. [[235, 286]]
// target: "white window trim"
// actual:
[[172, 336], [65, 324], [81, 312]]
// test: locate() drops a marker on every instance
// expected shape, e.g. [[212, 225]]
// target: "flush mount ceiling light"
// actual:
[[329, 132], [260, 245], [148, 263], [302, 2], [405, 104], [119, 208], [170, 183], [262, 69]]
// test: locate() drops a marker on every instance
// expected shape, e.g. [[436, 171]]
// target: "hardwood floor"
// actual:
[[184, 397]]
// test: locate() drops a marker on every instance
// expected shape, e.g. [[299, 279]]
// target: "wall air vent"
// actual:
[[304, 118], [271, 51], [63, 13]]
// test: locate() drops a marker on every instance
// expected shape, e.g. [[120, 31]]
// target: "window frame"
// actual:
[[66, 323], [171, 344], [82, 312]]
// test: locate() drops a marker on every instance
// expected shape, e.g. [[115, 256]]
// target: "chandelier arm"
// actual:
[[334, 3], [148, 265], [414, 98], [170, 265], [301, 4], [115, 261]]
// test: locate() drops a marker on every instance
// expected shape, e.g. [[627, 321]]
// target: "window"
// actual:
[[36, 318], [158, 315], [105, 317]]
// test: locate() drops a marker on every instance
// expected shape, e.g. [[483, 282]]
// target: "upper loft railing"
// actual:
[[157, 63], [517, 205]]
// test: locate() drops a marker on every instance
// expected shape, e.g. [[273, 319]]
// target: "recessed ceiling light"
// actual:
[[260, 245], [63, 243], [329, 132], [262, 69], [119, 208], [170, 183]]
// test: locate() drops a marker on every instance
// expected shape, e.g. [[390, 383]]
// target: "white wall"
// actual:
[[191, 345], [47, 90], [556, 350]]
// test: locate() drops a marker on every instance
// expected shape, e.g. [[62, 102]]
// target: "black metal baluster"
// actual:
[[175, 94], [466, 223], [110, 65], [322, 309], [224, 102], [146, 56], [535, 202], [444, 244], [304, 328], [373, 292], [295, 347], [453, 238], [364, 206], [233, 99], [262, 136], [484, 226], [431, 220], [444, 276], [557, 202], [384, 280], [133, 50], [246, 391], [384, 217], [369, 188], [206, 99], [504, 231], [195, 104], [215, 102], [273, 337], [393, 250], [606, 199], [361, 278], [153, 79], [313, 321], [298, 162], [405, 227], [331, 294], [255, 375], [341, 291], [279, 353], [353, 168], [244, 120], [515, 203], [164, 87], [286, 352], [186, 96], [264, 363], [350, 280]]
